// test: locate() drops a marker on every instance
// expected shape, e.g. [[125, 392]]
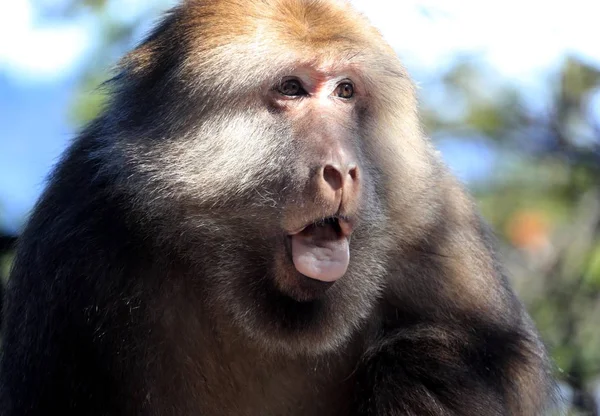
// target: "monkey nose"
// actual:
[[339, 177], [339, 185]]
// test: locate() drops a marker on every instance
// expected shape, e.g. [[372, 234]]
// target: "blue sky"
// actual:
[[39, 62]]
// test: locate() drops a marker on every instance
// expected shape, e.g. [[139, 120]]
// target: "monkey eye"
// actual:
[[291, 88], [345, 90]]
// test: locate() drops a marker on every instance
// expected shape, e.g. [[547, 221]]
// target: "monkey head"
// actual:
[[272, 145]]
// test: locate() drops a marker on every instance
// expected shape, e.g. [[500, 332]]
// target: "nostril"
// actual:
[[353, 172], [333, 177]]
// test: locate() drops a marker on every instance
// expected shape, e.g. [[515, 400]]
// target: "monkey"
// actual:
[[257, 224]]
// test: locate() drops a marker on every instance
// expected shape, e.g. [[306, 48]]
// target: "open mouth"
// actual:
[[321, 249]]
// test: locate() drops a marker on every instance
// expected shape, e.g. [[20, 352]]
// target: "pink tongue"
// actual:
[[320, 253]]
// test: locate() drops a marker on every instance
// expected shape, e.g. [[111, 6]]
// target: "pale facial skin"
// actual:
[[320, 248]]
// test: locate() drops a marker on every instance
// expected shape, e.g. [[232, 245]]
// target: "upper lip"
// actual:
[[345, 223]]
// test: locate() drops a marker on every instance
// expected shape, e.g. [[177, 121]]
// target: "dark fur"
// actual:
[[149, 278]]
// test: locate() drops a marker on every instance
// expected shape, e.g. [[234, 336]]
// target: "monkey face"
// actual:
[[273, 158], [305, 214], [321, 213]]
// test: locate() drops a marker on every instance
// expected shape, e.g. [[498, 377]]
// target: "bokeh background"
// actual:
[[510, 92]]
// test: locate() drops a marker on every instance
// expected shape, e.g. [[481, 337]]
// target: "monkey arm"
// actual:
[[446, 369]]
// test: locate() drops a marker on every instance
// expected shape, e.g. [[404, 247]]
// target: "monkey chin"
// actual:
[[286, 312], [293, 314]]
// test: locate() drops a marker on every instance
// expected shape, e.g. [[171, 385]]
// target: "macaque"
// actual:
[[256, 224]]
